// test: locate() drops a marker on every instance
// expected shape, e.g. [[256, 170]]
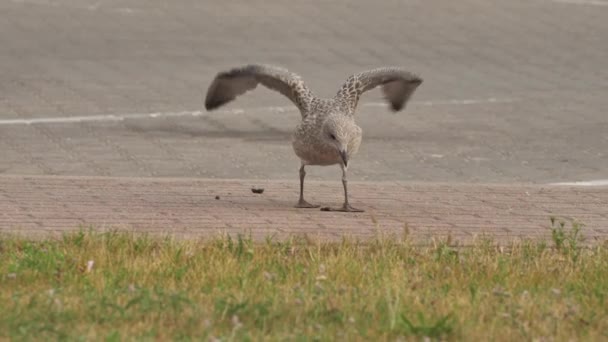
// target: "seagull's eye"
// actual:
[[333, 137]]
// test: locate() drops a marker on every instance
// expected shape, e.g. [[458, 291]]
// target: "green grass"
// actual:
[[233, 289]]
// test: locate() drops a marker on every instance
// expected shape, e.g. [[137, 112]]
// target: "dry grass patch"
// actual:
[[117, 286]]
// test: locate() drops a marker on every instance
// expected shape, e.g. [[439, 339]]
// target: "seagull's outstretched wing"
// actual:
[[228, 85], [397, 84]]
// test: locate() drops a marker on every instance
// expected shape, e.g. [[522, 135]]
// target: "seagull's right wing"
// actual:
[[227, 85]]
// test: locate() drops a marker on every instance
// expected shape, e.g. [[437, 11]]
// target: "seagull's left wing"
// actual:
[[397, 84]]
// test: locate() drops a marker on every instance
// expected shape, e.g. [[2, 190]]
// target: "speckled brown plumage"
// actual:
[[328, 133]]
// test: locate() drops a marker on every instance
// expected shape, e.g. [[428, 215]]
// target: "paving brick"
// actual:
[[187, 208]]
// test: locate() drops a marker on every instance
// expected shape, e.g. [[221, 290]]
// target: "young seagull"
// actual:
[[327, 134]]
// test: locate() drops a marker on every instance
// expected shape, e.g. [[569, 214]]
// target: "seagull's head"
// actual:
[[342, 134]]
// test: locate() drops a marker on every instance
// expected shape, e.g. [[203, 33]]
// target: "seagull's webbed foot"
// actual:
[[303, 204], [345, 208]]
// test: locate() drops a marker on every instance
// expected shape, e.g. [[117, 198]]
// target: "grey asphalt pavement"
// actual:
[[515, 91]]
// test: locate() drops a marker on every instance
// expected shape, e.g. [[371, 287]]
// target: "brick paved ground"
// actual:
[[188, 208]]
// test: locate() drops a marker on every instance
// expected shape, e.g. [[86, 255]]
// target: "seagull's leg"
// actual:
[[302, 203], [346, 206]]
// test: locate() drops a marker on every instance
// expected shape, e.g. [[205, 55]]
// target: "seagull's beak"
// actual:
[[344, 156]]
